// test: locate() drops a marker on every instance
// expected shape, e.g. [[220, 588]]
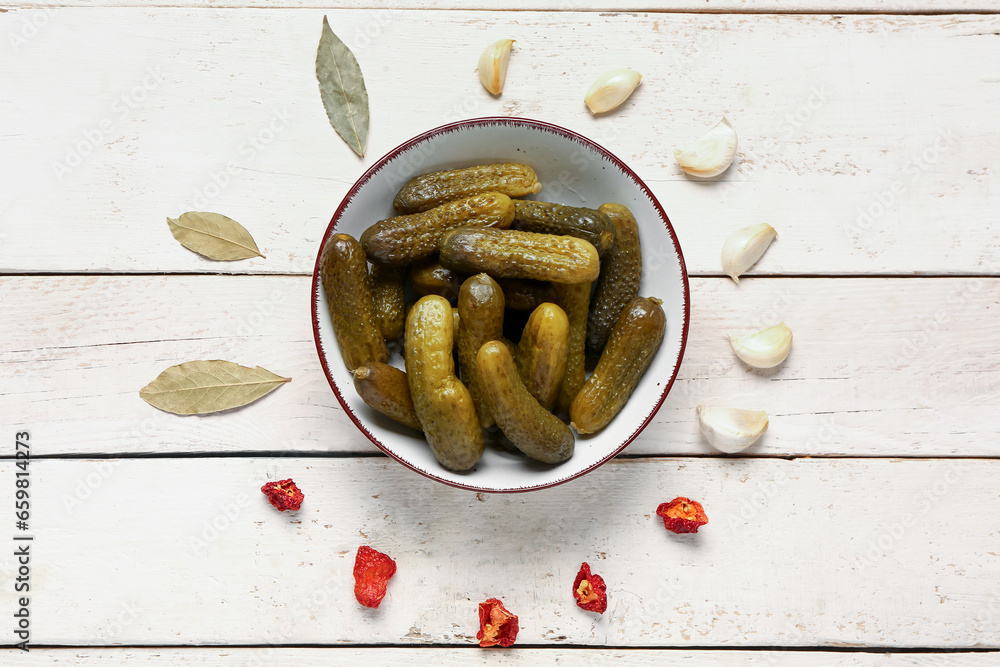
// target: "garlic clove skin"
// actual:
[[766, 348], [744, 247], [711, 154], [611, 89], [731, 430], [493, 65]]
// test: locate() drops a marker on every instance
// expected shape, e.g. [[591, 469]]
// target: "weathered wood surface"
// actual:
[[735, 6], [449, 657], [864, 139], [811, 552], [879, 367]]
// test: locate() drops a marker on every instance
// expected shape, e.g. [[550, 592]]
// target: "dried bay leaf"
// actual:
[[200, 387], [214, 236], [342, 87]]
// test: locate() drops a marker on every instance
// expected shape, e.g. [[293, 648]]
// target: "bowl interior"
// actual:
[[573, 171]]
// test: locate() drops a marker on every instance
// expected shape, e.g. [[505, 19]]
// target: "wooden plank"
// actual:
[[879, 367], [810, 552], [219, 110], [735, 6], [446, 657]]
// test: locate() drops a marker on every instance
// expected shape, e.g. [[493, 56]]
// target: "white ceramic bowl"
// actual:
[[573, 170]]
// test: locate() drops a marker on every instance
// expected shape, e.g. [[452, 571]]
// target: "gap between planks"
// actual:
[[111, 456], [545, 647], [217, 656]]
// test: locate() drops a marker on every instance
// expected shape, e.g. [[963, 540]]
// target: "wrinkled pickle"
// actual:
[[387, 296], [480, 309], [618, 283], [506, 253], [541, 354], [442, 403], [343, 271], [385, 388], [530, 427], [425, 192], [525, 294], [575, 302], [633, 344], [427, 276], [406, 238], [588, 224]]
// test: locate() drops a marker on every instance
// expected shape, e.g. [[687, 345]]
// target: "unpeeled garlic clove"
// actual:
[[493, 65], [744, 247], [731, 430], [766, 348], [611, 89], [711, 154]]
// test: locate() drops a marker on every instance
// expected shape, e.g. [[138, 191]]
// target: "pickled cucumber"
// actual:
[[575, 302], [585, 223], [541, 354], [387, 295], [406, 238], [343, 271], [633, 344], [430, 190], [427, 276], [385, 388], [525, 294], [441, 402], [506, 253], [530, 427], [618, 283], [480, 310]]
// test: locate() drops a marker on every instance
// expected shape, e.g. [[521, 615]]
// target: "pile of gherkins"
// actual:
[[461, 239]]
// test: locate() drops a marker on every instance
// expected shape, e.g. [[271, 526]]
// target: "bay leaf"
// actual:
[[201, 387], [214, 236], [342, 87]]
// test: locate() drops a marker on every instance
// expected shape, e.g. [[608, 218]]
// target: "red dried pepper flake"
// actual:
[[497, 626], [682, 515], [589, 590], [283, 494], [372, 571]]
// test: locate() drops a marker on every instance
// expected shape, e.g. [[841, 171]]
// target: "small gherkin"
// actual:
[[422, 193]]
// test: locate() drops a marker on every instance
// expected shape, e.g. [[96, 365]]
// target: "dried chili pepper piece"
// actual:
[[497, 626], [372, 571], [589, 590], [682, 515], [283, 494]]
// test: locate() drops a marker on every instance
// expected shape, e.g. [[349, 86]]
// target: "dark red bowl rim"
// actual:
[[451, 127]]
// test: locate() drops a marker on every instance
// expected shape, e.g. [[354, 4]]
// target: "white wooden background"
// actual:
[[863, 529]]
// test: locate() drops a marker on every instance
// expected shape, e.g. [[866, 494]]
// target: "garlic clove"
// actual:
[[711, 154], [731, 430], [744, 247], [766, 348], [611, 89], [493, 65]]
